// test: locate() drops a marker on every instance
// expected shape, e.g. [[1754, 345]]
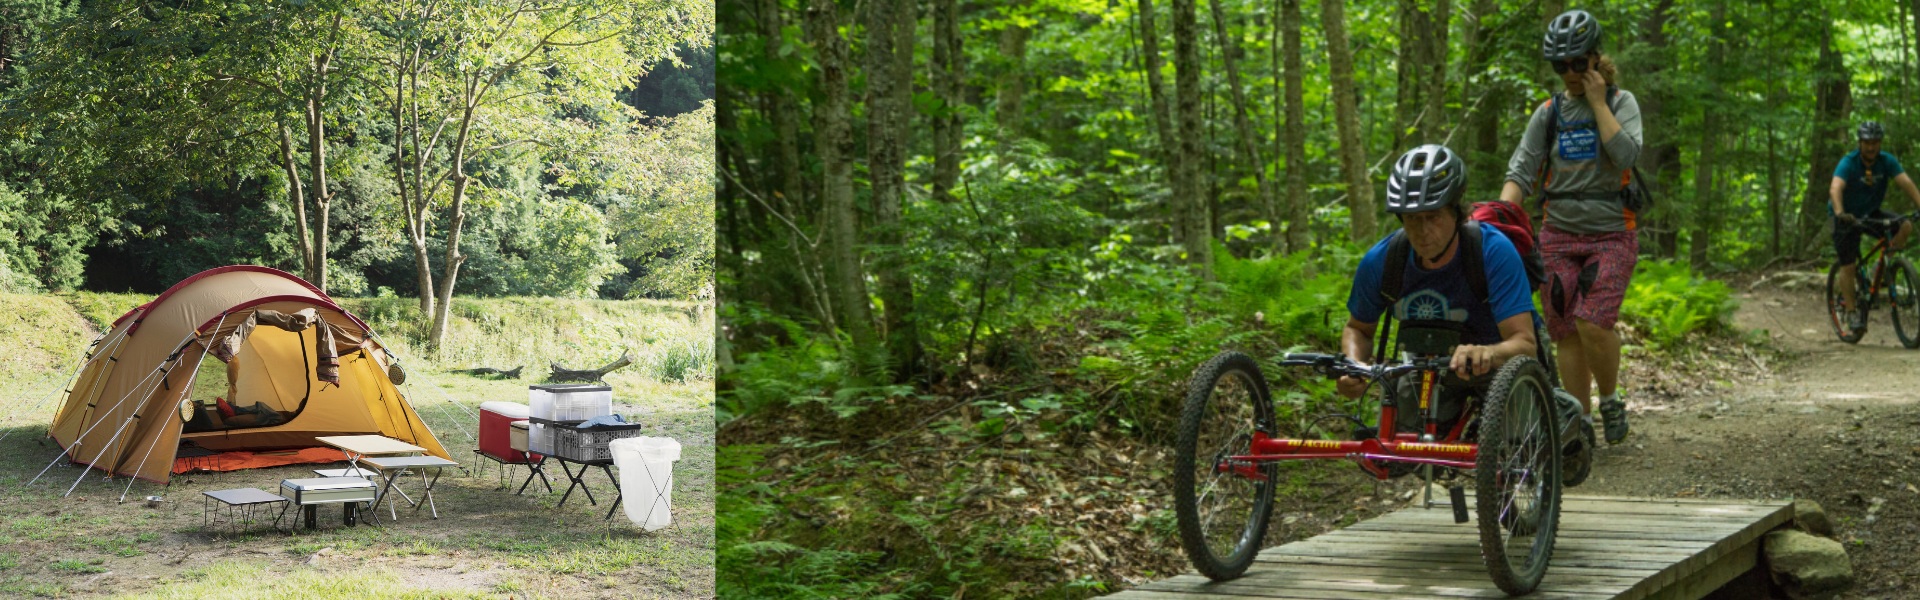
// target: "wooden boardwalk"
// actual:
[[1608, 548]]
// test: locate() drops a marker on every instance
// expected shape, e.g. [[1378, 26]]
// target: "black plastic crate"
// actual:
[[565, 440]]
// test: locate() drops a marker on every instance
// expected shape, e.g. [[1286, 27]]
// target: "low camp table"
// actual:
[[358, 447], [580, 480], [394, 467], [241, 506], [308, 494]]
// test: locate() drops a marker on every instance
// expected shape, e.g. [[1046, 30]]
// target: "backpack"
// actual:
[[1512, 221], [1634, 194]]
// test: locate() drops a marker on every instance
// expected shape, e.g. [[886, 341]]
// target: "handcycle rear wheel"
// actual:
[[1836, 305], [1517, 477], [1903, 300], [1222, 515]]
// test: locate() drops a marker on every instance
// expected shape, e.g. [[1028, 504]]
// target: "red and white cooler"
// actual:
[[496, 429]]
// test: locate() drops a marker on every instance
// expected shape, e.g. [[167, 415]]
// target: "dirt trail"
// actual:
[[1837, 424]]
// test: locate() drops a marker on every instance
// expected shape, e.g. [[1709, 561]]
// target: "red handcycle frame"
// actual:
[[1385, 447]]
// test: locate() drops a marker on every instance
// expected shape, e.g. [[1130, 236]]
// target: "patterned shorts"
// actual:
[[1587, 277]]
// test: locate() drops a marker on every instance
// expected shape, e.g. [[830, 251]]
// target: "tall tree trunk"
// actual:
[[948, 58], [1186, 76], [833, 145], [317, 159], [296, 195], [1296, 134], [1012, 81], [1353, 153], [1833, 100], [1171, 157], [1433, 128], [1249, 143], [1661, 150], [889, 83], [1706, 197], [1480, 115], [782, 112], [1414, 27]]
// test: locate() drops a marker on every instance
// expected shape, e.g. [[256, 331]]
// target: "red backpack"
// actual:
[[1512, 221]]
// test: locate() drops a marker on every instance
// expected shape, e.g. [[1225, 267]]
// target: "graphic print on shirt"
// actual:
[[1579, 140], [1427, 305]]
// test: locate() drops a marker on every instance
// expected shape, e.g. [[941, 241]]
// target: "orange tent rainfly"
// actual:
[[233, 359]]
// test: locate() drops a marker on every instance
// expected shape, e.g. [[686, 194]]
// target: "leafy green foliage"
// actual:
[[1670, 300]]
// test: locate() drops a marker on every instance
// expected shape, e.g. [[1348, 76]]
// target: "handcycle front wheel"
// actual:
[[1903, 300], [1223, 515], [1517, 476], [1836, 306]]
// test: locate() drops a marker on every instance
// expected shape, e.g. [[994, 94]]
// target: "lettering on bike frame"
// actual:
[[1372, 453]]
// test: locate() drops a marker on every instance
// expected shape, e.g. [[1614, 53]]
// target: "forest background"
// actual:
[[409, 149], [971, 250]]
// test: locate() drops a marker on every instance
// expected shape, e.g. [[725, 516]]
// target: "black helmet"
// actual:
[[1871, 130], [1426, 178], [1573, 33]]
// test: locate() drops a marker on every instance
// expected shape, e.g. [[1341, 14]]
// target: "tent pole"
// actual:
[[103, 452], [83, 435], [184, 390]]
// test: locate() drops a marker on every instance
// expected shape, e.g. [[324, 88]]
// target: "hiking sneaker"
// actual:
[[1614, 412], [1857, 319]]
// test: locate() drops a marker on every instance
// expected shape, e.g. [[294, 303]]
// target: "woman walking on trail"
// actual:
[[1578, 153]]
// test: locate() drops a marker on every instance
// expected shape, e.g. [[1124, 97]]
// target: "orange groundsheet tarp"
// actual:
[[234, 461]]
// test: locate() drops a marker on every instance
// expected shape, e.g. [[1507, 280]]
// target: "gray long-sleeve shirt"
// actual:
[[1580, 163]]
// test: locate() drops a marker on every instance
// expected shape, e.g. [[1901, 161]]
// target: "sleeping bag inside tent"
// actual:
[[246, 363]]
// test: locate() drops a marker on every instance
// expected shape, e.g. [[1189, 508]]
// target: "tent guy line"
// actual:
[[83, 434], [204, 348]]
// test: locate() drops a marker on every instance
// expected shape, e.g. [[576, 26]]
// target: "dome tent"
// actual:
[[297, 366]]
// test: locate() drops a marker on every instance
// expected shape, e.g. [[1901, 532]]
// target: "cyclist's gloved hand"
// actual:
[[1472, 360], [1846, 219]]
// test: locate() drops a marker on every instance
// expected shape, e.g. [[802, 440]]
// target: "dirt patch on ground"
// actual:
[[1835, 423]]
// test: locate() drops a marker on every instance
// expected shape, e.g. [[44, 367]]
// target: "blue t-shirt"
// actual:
[[1866, 189], [1444, 293]]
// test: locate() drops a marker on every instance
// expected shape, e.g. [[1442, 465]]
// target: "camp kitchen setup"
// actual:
[[246, 367]]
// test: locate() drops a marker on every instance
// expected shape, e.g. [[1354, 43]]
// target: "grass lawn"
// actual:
[[488, 542]]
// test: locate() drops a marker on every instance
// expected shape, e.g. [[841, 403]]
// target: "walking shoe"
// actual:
[[1857, 319], [1614, 412]]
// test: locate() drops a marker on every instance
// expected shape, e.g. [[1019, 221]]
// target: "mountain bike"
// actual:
[[1896, 277], [1230, 446]]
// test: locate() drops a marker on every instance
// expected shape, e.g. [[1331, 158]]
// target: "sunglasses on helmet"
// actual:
[[1577, 64]]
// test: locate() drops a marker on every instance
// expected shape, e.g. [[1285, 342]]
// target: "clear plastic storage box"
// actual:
[[570, 401]]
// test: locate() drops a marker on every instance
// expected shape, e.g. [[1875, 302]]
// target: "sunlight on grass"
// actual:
[[241, 581]]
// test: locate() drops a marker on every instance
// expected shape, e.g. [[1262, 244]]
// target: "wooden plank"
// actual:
[[1608, 548], [1419, 537], [1705, 581]]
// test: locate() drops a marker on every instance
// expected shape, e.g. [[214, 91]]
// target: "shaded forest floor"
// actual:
[[1052, 508]]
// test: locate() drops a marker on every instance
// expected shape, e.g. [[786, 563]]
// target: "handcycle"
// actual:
[[1902, 287], [1229, 449]]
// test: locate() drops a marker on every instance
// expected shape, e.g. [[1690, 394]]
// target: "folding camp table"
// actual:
[[242, 505], [580, 480], [358, 448], [394, 467]]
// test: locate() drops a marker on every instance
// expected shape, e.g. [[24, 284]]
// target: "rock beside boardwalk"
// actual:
[[1809, 517], [1808, 566]]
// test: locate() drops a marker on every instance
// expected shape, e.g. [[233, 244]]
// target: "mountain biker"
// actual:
[[1859, 186], [1589, 242], [1425, 191]]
